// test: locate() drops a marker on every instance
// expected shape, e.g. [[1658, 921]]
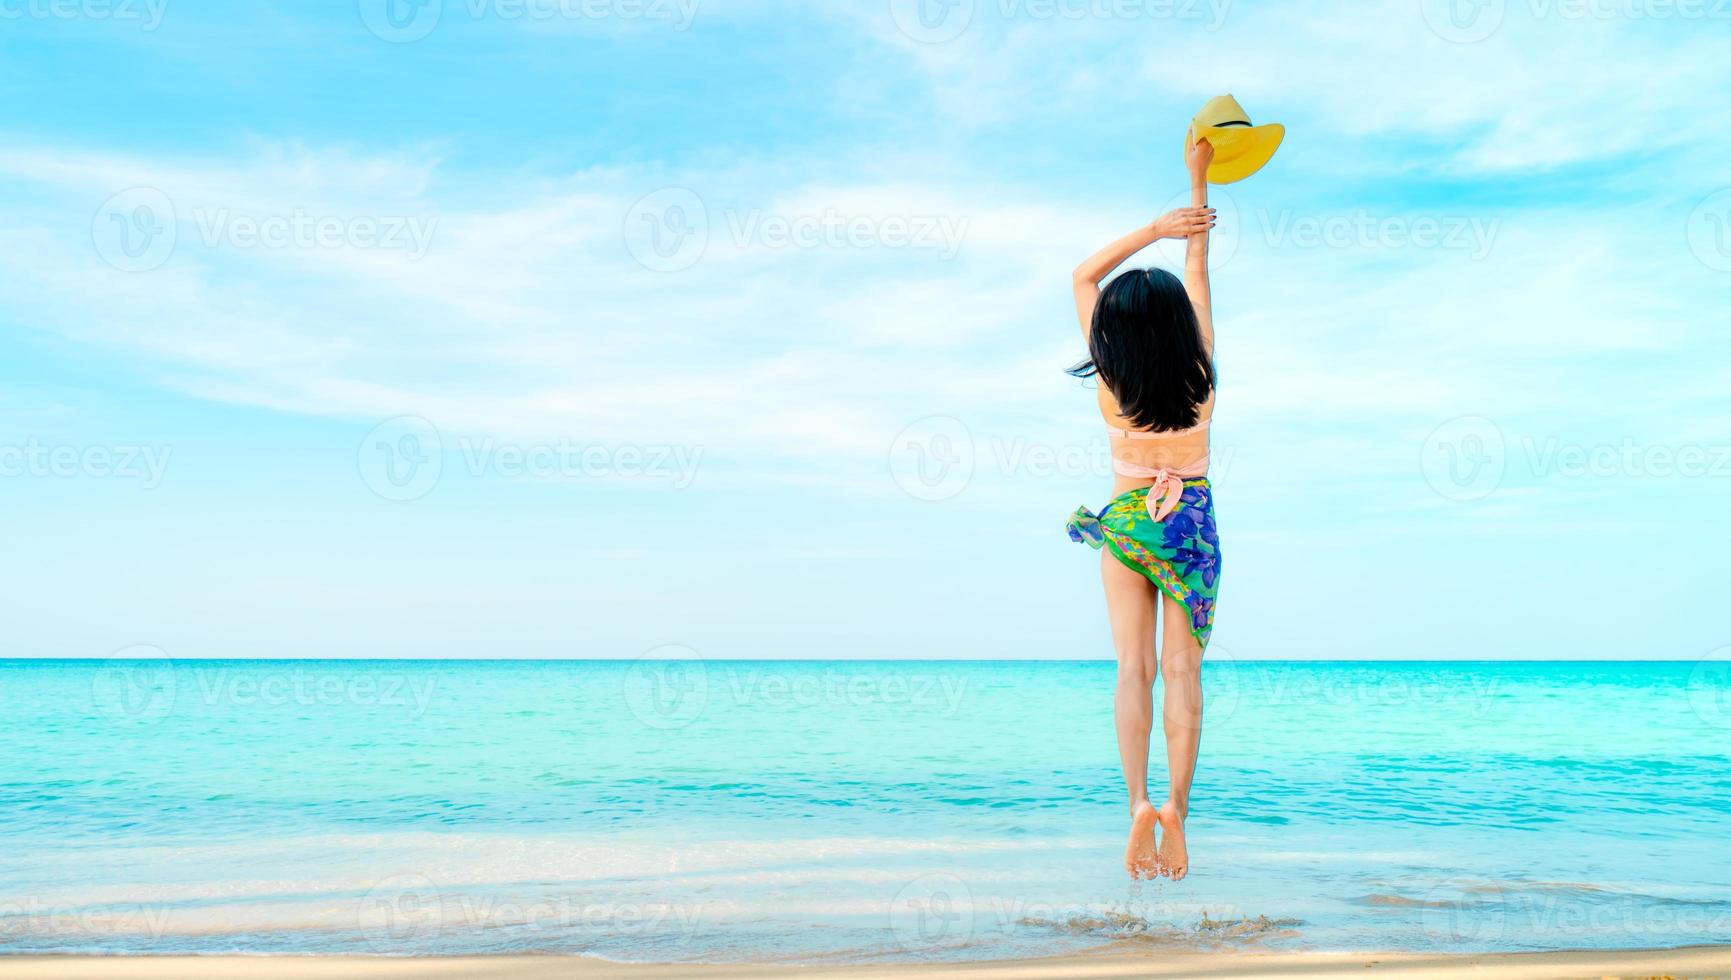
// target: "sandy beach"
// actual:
[[1697, 961]]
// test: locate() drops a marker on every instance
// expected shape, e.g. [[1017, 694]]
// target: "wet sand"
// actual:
[[1697, 961]]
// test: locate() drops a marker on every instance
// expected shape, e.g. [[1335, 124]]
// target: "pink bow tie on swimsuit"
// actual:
[[1167, 490]]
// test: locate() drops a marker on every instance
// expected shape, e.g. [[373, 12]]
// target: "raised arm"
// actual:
[[1085, 281], [1197, 157]]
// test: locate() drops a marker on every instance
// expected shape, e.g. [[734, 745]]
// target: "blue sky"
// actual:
[[486, 328]]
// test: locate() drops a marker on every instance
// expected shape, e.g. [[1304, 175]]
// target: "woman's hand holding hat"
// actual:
[[1238, 148], [1197, 156]]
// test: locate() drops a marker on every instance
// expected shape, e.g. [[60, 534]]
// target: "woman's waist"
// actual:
[[1130, 497], [1124, 484], [1161, 465]]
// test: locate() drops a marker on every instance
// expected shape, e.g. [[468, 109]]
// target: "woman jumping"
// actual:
[[1151, 344]]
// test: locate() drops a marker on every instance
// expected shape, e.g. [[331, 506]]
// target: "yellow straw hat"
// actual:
[[1240, 149]]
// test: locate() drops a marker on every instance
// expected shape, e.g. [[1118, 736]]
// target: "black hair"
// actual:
[[1146, 346]]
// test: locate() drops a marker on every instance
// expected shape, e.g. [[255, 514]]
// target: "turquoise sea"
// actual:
[[828, 811]]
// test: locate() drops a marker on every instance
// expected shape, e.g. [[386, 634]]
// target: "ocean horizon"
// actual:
[[815, 811]]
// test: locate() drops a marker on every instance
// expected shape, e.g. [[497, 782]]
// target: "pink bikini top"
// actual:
[[1168, 480]]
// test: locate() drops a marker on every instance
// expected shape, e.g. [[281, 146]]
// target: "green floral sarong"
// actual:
[[1180, 553]]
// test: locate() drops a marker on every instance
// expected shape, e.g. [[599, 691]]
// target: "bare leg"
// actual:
[[1181, 670], [1132, 603]]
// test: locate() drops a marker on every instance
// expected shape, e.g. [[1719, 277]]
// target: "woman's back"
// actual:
[[1183, 452]]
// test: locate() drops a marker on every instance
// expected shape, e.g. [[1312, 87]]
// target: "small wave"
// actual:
[[1567, 887], [1207, 932], [1390, 900], [1587, 892], [1260, 927]]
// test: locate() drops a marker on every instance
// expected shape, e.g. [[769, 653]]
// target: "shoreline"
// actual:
[[1682, 961]]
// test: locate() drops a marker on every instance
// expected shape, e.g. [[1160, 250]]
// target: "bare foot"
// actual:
[[1139, 857], [1174, 859]]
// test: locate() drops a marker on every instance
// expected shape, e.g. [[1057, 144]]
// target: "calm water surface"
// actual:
[[848, 811]]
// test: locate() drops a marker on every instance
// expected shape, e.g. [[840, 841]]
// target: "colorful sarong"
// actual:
[[1180, 553]]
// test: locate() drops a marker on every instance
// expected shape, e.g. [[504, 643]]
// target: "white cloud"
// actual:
[[530, 318], [1550, 88]]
